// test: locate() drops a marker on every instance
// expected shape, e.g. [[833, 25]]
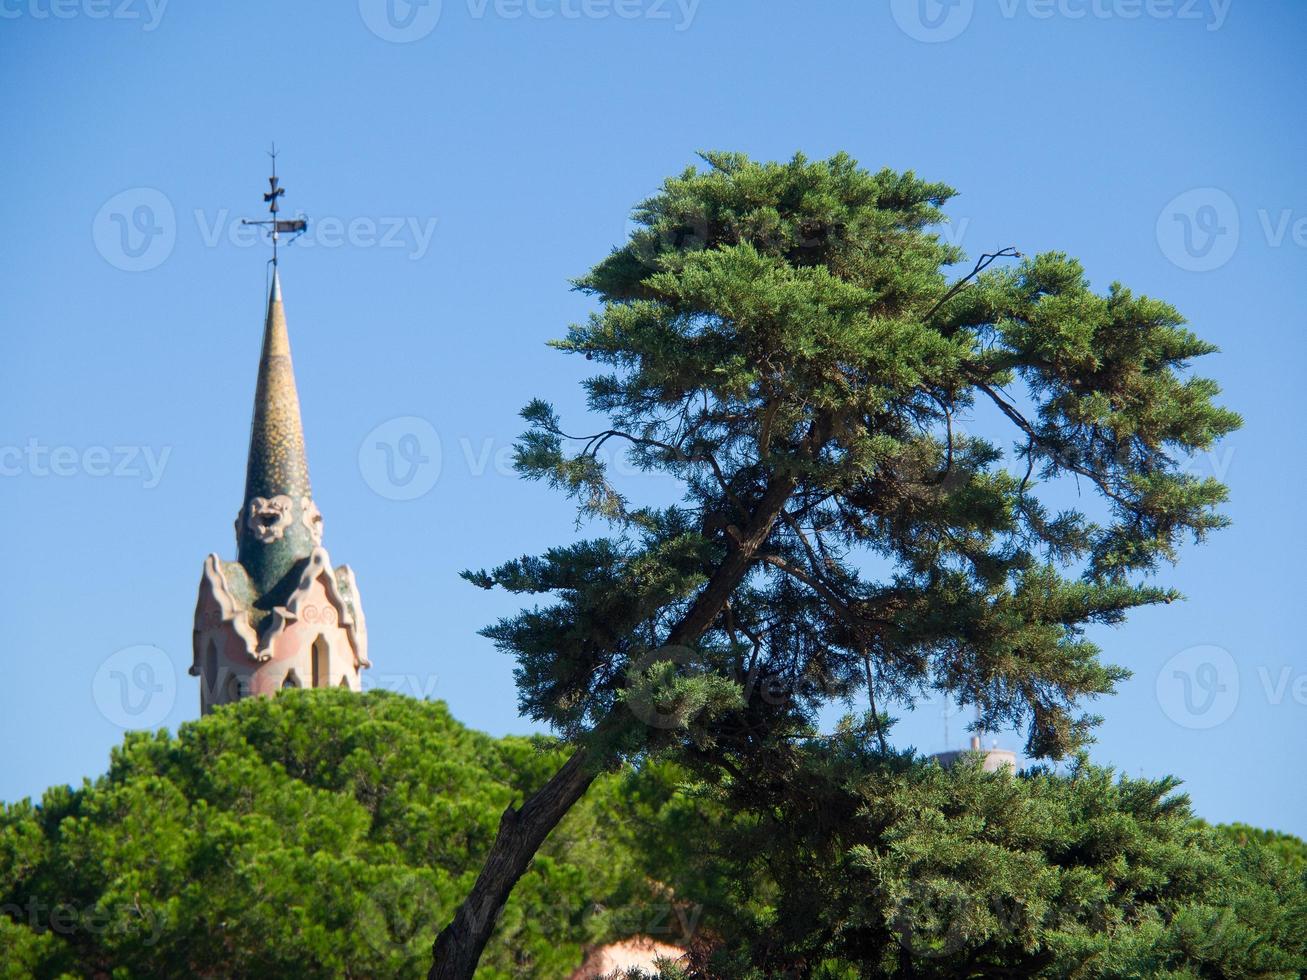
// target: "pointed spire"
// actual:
[[278, 524]]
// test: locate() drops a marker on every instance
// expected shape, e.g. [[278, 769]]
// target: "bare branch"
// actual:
[[985, 261]]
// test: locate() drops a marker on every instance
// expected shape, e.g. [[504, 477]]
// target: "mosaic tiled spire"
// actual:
[[278, 525]]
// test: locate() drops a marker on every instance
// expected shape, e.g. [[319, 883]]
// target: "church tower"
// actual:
[[281, 615]]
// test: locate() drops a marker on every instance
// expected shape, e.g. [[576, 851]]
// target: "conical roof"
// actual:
[[277, 526]]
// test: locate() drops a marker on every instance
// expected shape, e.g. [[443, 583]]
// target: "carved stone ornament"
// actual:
[[311, 518], [268, 519]]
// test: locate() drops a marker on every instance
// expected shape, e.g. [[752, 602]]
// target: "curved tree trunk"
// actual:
[[521, 832]]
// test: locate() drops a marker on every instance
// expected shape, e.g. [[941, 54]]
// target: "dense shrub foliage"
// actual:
[[319, 834], [883, 866], [324, 833]]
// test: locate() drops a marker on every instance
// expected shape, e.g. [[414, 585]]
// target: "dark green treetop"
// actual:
[[785, 339], [325, 833], [886, 865]]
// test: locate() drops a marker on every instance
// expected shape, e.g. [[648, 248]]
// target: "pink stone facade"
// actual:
[[318, 638], [281, 616]]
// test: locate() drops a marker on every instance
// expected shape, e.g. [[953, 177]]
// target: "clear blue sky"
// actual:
[[509, 142]]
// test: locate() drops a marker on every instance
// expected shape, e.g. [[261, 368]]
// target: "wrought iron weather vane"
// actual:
[[276, 226]]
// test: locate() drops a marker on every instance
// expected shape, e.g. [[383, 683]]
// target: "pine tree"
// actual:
[[324, 833], [863, 864], [787, 341]]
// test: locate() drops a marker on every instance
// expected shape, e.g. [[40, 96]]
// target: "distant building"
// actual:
[[994, 758], [281, 615], [636, 953]]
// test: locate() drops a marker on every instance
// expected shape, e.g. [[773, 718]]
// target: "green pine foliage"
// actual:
[[321, 834], [886, 866], [326, 834], [1288, 848], [793, 343]]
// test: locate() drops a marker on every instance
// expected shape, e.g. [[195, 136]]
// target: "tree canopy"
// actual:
[[320, 834], [325, 833], [790, 343], [866, 865], [784, 339]]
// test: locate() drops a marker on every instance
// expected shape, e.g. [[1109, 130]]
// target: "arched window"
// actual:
[[292, 680], [321, 663], [344, 681], [233, 689]]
